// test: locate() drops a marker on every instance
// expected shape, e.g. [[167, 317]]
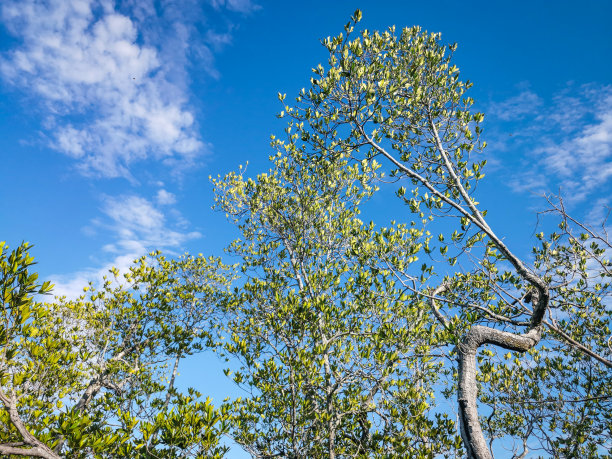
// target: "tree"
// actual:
[[336, 361], [563, 394], [96, 375], [399, 99]]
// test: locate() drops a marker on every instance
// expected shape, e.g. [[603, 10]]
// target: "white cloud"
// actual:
[[566, 144], [109, 80], [582, 159], [165, 198], [112, 97], [140, 226], [218, 40], [599, 214], [137, 227]]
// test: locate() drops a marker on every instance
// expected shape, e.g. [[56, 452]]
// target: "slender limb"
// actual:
[[177, 360], [555, 328], [441, 289], [97, 383]]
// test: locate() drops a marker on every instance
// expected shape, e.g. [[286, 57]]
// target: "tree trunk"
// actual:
[[471, 432]]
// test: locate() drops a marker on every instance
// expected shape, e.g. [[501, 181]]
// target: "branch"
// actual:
[[39, 449], [475, 217], [555, 402], [462, 191], [441, 289], [555, 328], [479, 220], [177, 360], [30, 452], [471, 432], [97, 383]]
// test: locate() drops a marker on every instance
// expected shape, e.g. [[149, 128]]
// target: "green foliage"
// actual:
[[383, 91], [90, 377], [335, 354], [347, 333], [562, 395]]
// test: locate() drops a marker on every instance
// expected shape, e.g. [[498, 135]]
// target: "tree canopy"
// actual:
[[398, 99], [94, 376], [329, 341], [419, 335]]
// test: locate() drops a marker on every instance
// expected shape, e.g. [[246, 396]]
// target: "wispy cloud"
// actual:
[[525, 103], [136, 226], [165, 198], [140, 225], [564, 144], [599, 214], [239, 6], [110, 83], [110, 97], [218, 40]]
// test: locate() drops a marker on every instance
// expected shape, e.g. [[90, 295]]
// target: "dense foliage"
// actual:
[[398, 99], [95, 376]]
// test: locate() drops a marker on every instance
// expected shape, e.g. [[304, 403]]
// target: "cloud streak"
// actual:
[[238, 6], [110, 82], [137, 226], [140, 226], [525, 103], [565, 144]]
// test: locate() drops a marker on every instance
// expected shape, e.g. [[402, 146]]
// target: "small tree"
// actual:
[[96, 375], [399, 98]]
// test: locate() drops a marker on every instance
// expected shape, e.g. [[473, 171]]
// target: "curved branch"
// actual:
[[471, 432], [444, 321], [434, 307]]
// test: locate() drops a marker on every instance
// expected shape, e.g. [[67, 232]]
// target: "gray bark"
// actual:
[[37, 448], [467, 396]]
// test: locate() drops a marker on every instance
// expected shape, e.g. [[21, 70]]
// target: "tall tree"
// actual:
[[399, 99], [337, 361], [96, 375]]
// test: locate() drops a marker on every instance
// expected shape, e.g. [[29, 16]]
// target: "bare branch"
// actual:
[[556, 329]]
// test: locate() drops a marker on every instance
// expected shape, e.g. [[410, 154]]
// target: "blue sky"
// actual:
[[113, 114]]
